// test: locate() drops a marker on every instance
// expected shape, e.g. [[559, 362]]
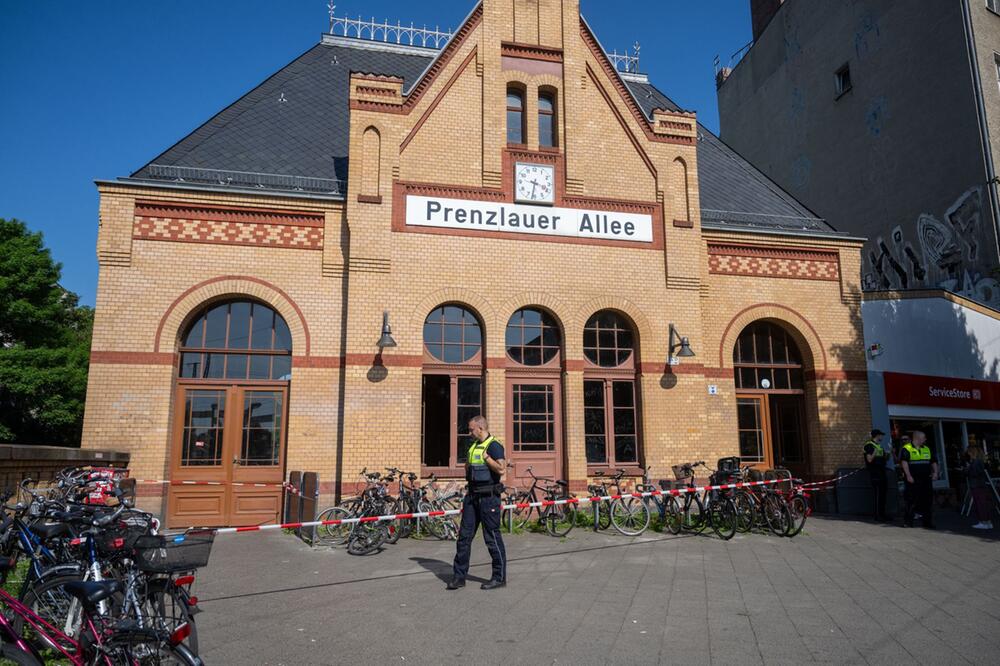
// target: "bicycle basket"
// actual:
[[157, 553], [682, 472]]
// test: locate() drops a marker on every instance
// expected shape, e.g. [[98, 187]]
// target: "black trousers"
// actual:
[[481, 510], [879, 493], [919, 498]]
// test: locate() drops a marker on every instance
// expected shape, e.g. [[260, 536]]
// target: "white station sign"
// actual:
[[535, 220]]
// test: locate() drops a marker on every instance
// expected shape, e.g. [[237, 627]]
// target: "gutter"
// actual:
[[204, 187], [984, 130]]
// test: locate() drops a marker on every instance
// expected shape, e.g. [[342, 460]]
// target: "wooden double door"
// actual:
[[227, 435], [772, 431]]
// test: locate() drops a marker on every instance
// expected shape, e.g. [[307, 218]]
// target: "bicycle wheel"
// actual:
[[559, 519], [745, 512], [722, 515], [522, 514], [147, 648], [673, 516], [695, 516], [12, 654], [49, 601], [395, 529], [777, 515], [630, 516], [334, 535], [167, 606], [799, 509], [437, 526], [366, 539]]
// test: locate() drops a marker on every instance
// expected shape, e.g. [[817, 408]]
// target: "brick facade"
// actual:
[[331, 268]]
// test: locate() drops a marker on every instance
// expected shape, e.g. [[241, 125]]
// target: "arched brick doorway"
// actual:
[[230, 414], [770, 398]]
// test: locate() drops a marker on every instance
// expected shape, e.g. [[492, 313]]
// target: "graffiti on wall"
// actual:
[[945, 252]]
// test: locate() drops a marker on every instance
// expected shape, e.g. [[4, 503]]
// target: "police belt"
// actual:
[[490, 489]]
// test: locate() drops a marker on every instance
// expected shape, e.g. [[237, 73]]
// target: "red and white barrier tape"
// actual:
[[524, 505], [817, 484]]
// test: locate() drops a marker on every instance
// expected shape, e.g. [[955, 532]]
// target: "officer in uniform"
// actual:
[[875, 459], [920, 469], [481, 506]]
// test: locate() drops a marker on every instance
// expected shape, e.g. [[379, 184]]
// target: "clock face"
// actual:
[[534, 183]]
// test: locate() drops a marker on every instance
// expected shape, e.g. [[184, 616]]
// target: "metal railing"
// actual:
[[412, 35], [372, 30], [245, 179]]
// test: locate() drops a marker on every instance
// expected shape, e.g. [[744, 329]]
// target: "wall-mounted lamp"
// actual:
[[386, 340], [682, 343]]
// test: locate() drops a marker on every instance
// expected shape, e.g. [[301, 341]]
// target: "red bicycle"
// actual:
[[101, 640]]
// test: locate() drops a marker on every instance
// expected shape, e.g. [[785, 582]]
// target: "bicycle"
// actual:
[[629, 515], [700, 511], [101, 641], [558, 519]]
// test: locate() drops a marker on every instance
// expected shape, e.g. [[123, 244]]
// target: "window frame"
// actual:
[[552, 96], [841, 76], [993, 6], [521, 92], [473, 368], [200, 316], [554, 363], [627, 371], [755, 364]]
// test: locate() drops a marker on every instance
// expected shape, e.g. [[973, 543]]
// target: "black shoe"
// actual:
[[492, 585], [456, 583]]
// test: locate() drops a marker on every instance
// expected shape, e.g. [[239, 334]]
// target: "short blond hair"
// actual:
[[480, 421]]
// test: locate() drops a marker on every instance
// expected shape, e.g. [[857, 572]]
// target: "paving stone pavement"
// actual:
[[844, 591]]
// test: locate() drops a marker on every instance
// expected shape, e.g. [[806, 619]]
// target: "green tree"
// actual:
[[44, 344]]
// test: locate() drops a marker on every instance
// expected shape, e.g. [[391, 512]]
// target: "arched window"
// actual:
[[515, 115], [238, 340], [533, 337], [767, 359], [770, 398], [610, 392], [547, 119], [452, 386]]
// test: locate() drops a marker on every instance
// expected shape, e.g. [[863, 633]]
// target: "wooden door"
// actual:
[[753, 419], [534, 427], [225, 435], [788, 433]]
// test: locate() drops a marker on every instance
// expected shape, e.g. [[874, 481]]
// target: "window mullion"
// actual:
[[609, 423], [453, 419]]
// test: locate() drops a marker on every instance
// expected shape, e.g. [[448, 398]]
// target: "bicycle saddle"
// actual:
[[49, 530], [91, 592]]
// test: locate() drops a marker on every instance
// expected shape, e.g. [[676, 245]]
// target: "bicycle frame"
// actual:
[[51, 634]]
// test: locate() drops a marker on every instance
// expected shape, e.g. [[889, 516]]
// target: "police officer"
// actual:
[[875, 459], [920, 469], [481, 506]]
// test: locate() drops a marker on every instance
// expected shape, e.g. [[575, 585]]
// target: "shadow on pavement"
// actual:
[[443, 570], [946, 522], [436, 567]]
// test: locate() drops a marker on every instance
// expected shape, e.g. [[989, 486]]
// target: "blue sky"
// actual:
[[94, 90]]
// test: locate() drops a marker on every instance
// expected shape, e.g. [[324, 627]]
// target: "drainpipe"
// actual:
[[984, 130]]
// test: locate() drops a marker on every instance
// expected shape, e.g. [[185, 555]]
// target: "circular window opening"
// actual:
[[532, 337]]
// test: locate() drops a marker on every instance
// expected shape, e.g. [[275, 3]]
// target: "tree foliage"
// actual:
[[44, 344]]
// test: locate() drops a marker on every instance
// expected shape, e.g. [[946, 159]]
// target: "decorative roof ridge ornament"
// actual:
[[402, 35]]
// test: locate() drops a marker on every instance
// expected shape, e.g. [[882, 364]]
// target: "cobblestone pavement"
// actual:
[[844, 591]]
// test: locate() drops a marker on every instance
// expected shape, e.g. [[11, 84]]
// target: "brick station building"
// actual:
[[541, 229]]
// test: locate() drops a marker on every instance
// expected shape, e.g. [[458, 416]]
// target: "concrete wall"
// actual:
[[897, 158]]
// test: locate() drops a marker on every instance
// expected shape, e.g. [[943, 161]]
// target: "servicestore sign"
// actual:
[[531, 220]]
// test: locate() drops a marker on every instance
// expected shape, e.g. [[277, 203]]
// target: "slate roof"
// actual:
[[290, 133], [733, 192]]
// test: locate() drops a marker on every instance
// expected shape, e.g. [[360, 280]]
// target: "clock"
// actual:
[[534, 183]]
